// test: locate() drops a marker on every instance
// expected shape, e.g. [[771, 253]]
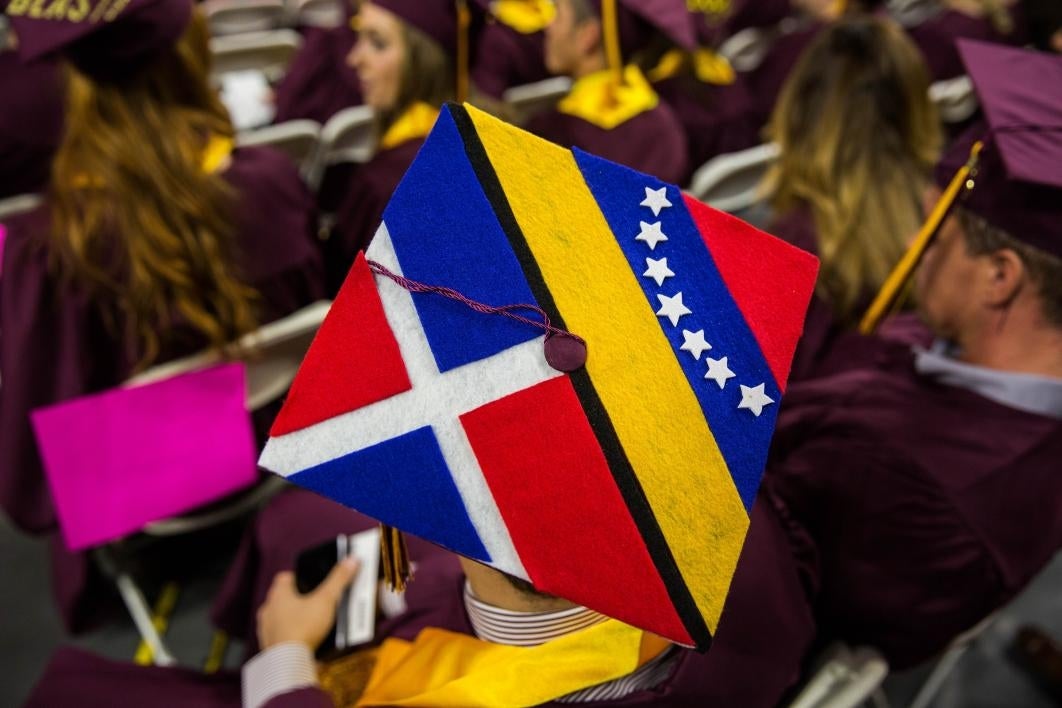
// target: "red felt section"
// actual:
[[353, 361], [773, 305], [566, 516]]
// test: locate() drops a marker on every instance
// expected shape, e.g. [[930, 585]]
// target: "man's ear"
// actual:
[[1006, 274], [588, 37]]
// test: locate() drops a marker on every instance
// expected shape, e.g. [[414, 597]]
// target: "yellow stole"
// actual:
[[447, 669], [600, 100], [709, 66], [524, 16], [216, 151], [415, 123]]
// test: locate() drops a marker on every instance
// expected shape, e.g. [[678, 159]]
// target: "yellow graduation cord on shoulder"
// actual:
[[524, 16], [216, 153], [602, 101], [448, 669], [709, 66], [415, 123]]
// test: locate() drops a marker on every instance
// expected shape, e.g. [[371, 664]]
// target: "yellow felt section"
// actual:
[[601, 100], [442, 668], [631, 363], [415, 123]]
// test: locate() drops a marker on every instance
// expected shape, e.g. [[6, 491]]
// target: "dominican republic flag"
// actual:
[[624, 486]]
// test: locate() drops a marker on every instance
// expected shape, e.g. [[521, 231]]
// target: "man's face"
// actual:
[[561, 44], [949, 279]]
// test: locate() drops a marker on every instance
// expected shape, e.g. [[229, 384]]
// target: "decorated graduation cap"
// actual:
[[1007, 168], [101, 37], [557, 366]]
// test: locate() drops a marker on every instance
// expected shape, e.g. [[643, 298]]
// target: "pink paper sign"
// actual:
[[123, 458]]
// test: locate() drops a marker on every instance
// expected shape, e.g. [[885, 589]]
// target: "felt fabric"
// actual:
[[602, 301], [31, 123], [355, 330], [404, 482], [773, 308], [914, 508], [599, 100], [56, 344], [423, 218], [97, 448], [565, 526], [507, 58], [437, 400], [500, 207], [652, 142], [319, 83], [441, 668]]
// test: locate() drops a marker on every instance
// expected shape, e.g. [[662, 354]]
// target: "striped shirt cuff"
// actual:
[[280, 669]]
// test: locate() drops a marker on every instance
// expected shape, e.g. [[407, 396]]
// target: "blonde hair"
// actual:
[[134, 215], [859, 138]]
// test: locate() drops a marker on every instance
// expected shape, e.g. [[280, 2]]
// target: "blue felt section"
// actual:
[[445, 233], [403, 482], [742, 438]]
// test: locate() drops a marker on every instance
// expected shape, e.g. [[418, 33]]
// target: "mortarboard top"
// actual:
[[1007, 168], [101, 37], [621, 481]]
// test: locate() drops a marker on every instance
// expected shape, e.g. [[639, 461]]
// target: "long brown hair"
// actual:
[[135, 217], [427, 76], [859, 138]]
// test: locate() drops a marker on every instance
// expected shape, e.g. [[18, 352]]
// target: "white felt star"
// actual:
[[651, 234], [656, 199], [672, 308], [718, 371], [754, 399], [657, 270], [695, 343]]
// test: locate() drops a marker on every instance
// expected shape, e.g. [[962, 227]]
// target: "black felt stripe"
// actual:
[[622, 472]]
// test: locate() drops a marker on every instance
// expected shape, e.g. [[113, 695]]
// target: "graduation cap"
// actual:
[[101, 37], [627, 468], [1007, 168]]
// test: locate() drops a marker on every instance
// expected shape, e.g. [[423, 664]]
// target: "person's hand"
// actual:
[[287, 616]]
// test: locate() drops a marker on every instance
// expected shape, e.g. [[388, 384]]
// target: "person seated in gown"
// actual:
[[859, 139], [922, 493], [612, 110], [321, 81], [404, 58], [509, 49], [1044, 20], [157, 237], [32, 120]]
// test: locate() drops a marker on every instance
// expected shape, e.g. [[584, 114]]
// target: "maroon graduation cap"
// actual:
[[1007, 168]]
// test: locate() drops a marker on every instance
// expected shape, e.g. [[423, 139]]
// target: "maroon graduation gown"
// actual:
[[716, 119], [507, 58], [319, 83], [653, 142], [31, 123], [360, 212], [755, 658], [935, 38], [55, 345], [914, 508]]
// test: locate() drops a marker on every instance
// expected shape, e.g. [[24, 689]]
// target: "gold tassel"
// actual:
[[395, 558], [886, 298], [610, 23]]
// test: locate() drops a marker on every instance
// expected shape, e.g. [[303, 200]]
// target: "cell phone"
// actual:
[[356, 609]]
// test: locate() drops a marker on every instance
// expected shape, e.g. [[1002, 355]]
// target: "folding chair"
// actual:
[[955, 98], [846, 678], [348, 136], [731, 182], [948, 661], [18, 204], [317, 13], [276, 350], [298, 139], [529, 100], [269, 52], [238, 16], [746, 49]]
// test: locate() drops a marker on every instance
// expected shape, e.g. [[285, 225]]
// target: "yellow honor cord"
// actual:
[[894, 284]]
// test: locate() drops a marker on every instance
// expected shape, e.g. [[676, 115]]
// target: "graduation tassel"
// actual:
[[395, 558], [901, 274]]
